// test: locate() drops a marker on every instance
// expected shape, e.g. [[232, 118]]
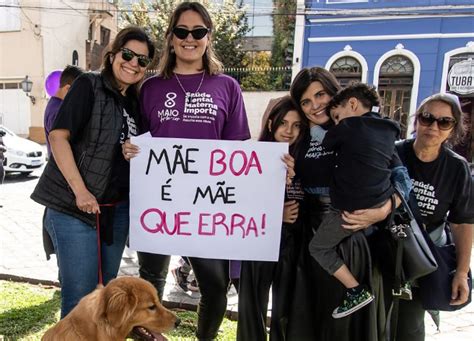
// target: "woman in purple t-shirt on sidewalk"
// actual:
[[191, 98]]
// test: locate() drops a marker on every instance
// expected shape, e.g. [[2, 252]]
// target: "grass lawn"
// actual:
[[27, 311]]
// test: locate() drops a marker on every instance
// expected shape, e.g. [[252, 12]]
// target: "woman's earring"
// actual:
[[172, 50]]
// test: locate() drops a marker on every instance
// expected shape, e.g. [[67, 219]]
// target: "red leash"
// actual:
[[99, 247]]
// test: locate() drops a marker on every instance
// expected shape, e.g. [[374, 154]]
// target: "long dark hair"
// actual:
[[306, 76], [276, 115], [125, 35], [211, 64], [69, 74]]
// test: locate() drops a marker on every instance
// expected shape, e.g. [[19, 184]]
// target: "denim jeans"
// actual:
[[75, 245]]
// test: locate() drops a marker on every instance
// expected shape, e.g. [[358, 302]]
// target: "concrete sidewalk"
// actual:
[[22, 258]]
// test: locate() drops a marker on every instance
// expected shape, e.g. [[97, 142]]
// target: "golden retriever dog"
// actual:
[[110, 313]]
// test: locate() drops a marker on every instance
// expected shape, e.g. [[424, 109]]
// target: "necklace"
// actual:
[[188, 98]]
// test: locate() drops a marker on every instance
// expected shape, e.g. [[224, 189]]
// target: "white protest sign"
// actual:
[[207, 198]]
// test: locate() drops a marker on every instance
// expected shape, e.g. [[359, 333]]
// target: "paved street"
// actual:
[[22, 257]]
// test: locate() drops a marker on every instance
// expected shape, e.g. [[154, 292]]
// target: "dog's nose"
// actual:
[[176, 324]]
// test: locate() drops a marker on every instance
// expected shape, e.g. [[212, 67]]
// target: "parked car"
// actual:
[[22, 155], [2, 156]]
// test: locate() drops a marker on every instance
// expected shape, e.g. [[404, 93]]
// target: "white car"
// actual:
[[22, 155]]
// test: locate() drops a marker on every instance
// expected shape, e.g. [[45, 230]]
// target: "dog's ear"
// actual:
[[120, 305]]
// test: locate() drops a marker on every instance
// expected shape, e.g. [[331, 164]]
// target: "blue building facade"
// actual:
[[408, 49]]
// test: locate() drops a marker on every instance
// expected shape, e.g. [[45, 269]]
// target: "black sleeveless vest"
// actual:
[[94, 155]]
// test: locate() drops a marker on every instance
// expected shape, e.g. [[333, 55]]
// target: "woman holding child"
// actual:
[[432, 164], [363, 144], [316, 293]]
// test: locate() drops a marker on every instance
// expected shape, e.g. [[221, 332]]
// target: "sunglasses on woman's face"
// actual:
[[197, 33], [128, 55], [444, 123]]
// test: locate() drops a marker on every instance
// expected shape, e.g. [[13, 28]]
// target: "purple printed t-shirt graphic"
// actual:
[[215, 111]]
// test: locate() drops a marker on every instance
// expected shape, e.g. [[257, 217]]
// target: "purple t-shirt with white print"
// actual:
[[201, 108]]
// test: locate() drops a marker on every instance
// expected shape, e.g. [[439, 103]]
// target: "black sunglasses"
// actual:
[[197, 33], [128, 55], [444, 123]]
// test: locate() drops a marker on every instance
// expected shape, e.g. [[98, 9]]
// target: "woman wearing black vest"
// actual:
[[85, 185]]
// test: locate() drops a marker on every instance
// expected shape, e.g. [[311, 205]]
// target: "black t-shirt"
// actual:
[[314, 166], [75, 113], [76, 109], [294, 191], [364, 147], [443, 187]]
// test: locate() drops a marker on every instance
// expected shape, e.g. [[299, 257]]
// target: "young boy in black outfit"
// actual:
[[364, 145]]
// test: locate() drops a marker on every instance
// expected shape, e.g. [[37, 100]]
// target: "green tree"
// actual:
[[258, 76], [284, 18], [230, 25]]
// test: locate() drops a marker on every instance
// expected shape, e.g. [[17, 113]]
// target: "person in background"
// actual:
[[284, 123], [68, 75], [85, 185], [190, 80], [443, 188]]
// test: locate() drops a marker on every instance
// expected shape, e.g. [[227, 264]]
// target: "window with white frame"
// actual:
[[347, 70], [395, 89]]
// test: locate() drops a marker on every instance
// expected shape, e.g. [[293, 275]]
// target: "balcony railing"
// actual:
[[257, 79]]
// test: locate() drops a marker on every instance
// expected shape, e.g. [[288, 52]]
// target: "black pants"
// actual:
[[411, 319], [154, 269], [213, 279], [317, 293], [255, 280]]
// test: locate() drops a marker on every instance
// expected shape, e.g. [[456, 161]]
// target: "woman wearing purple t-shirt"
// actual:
[[191, 98]]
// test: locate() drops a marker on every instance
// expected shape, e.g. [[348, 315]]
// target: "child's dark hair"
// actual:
[[277, 114], [366, 94], [69, 74]]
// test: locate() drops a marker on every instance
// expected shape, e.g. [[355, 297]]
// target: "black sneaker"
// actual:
[[180, 278], [352, 303]]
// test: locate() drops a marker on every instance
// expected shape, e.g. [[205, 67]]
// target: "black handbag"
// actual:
[[413, 258], [417, 257], [435, 288]]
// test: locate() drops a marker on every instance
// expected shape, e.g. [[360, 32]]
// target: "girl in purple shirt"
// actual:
[[191, 98]]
